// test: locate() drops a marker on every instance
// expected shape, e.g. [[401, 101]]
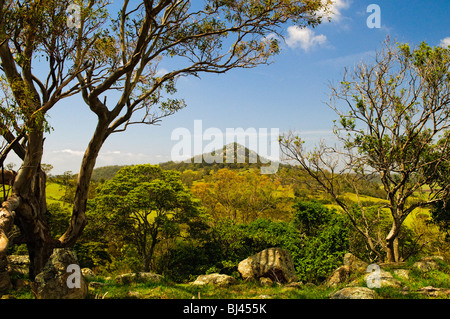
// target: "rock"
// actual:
[[134, 295], [339, 276], [434, 292], [354, 293], [18, 264], [264, 281], [53, 281], [355, 264], [352, 265], [295, 284], [96, 284], [383, 278], [139, 277], [214, 279], [273, 263], [402, 273], [88, 273], [428, 263]]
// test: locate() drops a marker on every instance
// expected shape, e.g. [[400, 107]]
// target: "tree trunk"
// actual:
[[78, 220], [26, 207], [29, 186], [392, 243], [30, 218]]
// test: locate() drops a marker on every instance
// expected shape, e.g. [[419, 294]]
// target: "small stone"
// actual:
[[264, 281], [354, 293], [214, 279]]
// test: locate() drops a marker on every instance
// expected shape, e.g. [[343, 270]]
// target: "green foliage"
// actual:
[[244, 196], [315, 256], [325, 242], [144, 205], [440, 214], [310, 217], [105, 173], [58, 218], [229, 243], [92, 254]]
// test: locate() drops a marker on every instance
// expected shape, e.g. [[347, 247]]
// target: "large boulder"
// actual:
[[273, 263], [355, 264], [382, 279], [214, 279], [339, 276], [61, 277], [354, 293], [352, 265]]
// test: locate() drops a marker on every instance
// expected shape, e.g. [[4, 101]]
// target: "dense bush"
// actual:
[[325, 242], [315, 253], [227, 244]]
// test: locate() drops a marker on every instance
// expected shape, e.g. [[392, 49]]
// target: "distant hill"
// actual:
[[231, 156], [239, 158]]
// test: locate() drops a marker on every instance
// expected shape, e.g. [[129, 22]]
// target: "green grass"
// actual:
[[242, 290], [54, 192]]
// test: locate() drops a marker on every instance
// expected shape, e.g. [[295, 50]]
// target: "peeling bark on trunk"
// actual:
[[78, 220], [26, 208], [6, 221]]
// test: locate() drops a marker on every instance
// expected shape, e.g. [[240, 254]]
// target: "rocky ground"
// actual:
[[268, 274]]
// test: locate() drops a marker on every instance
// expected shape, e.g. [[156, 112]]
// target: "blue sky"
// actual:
[[289, 94]]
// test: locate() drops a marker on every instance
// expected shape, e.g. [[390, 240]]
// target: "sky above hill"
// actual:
[[289, 94]]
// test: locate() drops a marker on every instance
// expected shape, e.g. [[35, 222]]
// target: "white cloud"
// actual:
[[335, 10], [161, 72], [445, 42], [304, 38], [70, 152]]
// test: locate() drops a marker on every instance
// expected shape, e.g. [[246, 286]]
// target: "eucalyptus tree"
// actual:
[[109, 54], [394, 126]]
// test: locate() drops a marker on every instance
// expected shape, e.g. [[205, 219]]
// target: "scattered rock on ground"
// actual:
[[428, 263], [295, 284], [383, 279], [214, 279], [339, 276], [273, 263], [354, 293], [434, 292], [355, 264], [139, 277], [52, 282], [402, 273], [88, 273], [264, 281], [352, 265], [18, 264], [96, 284]]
